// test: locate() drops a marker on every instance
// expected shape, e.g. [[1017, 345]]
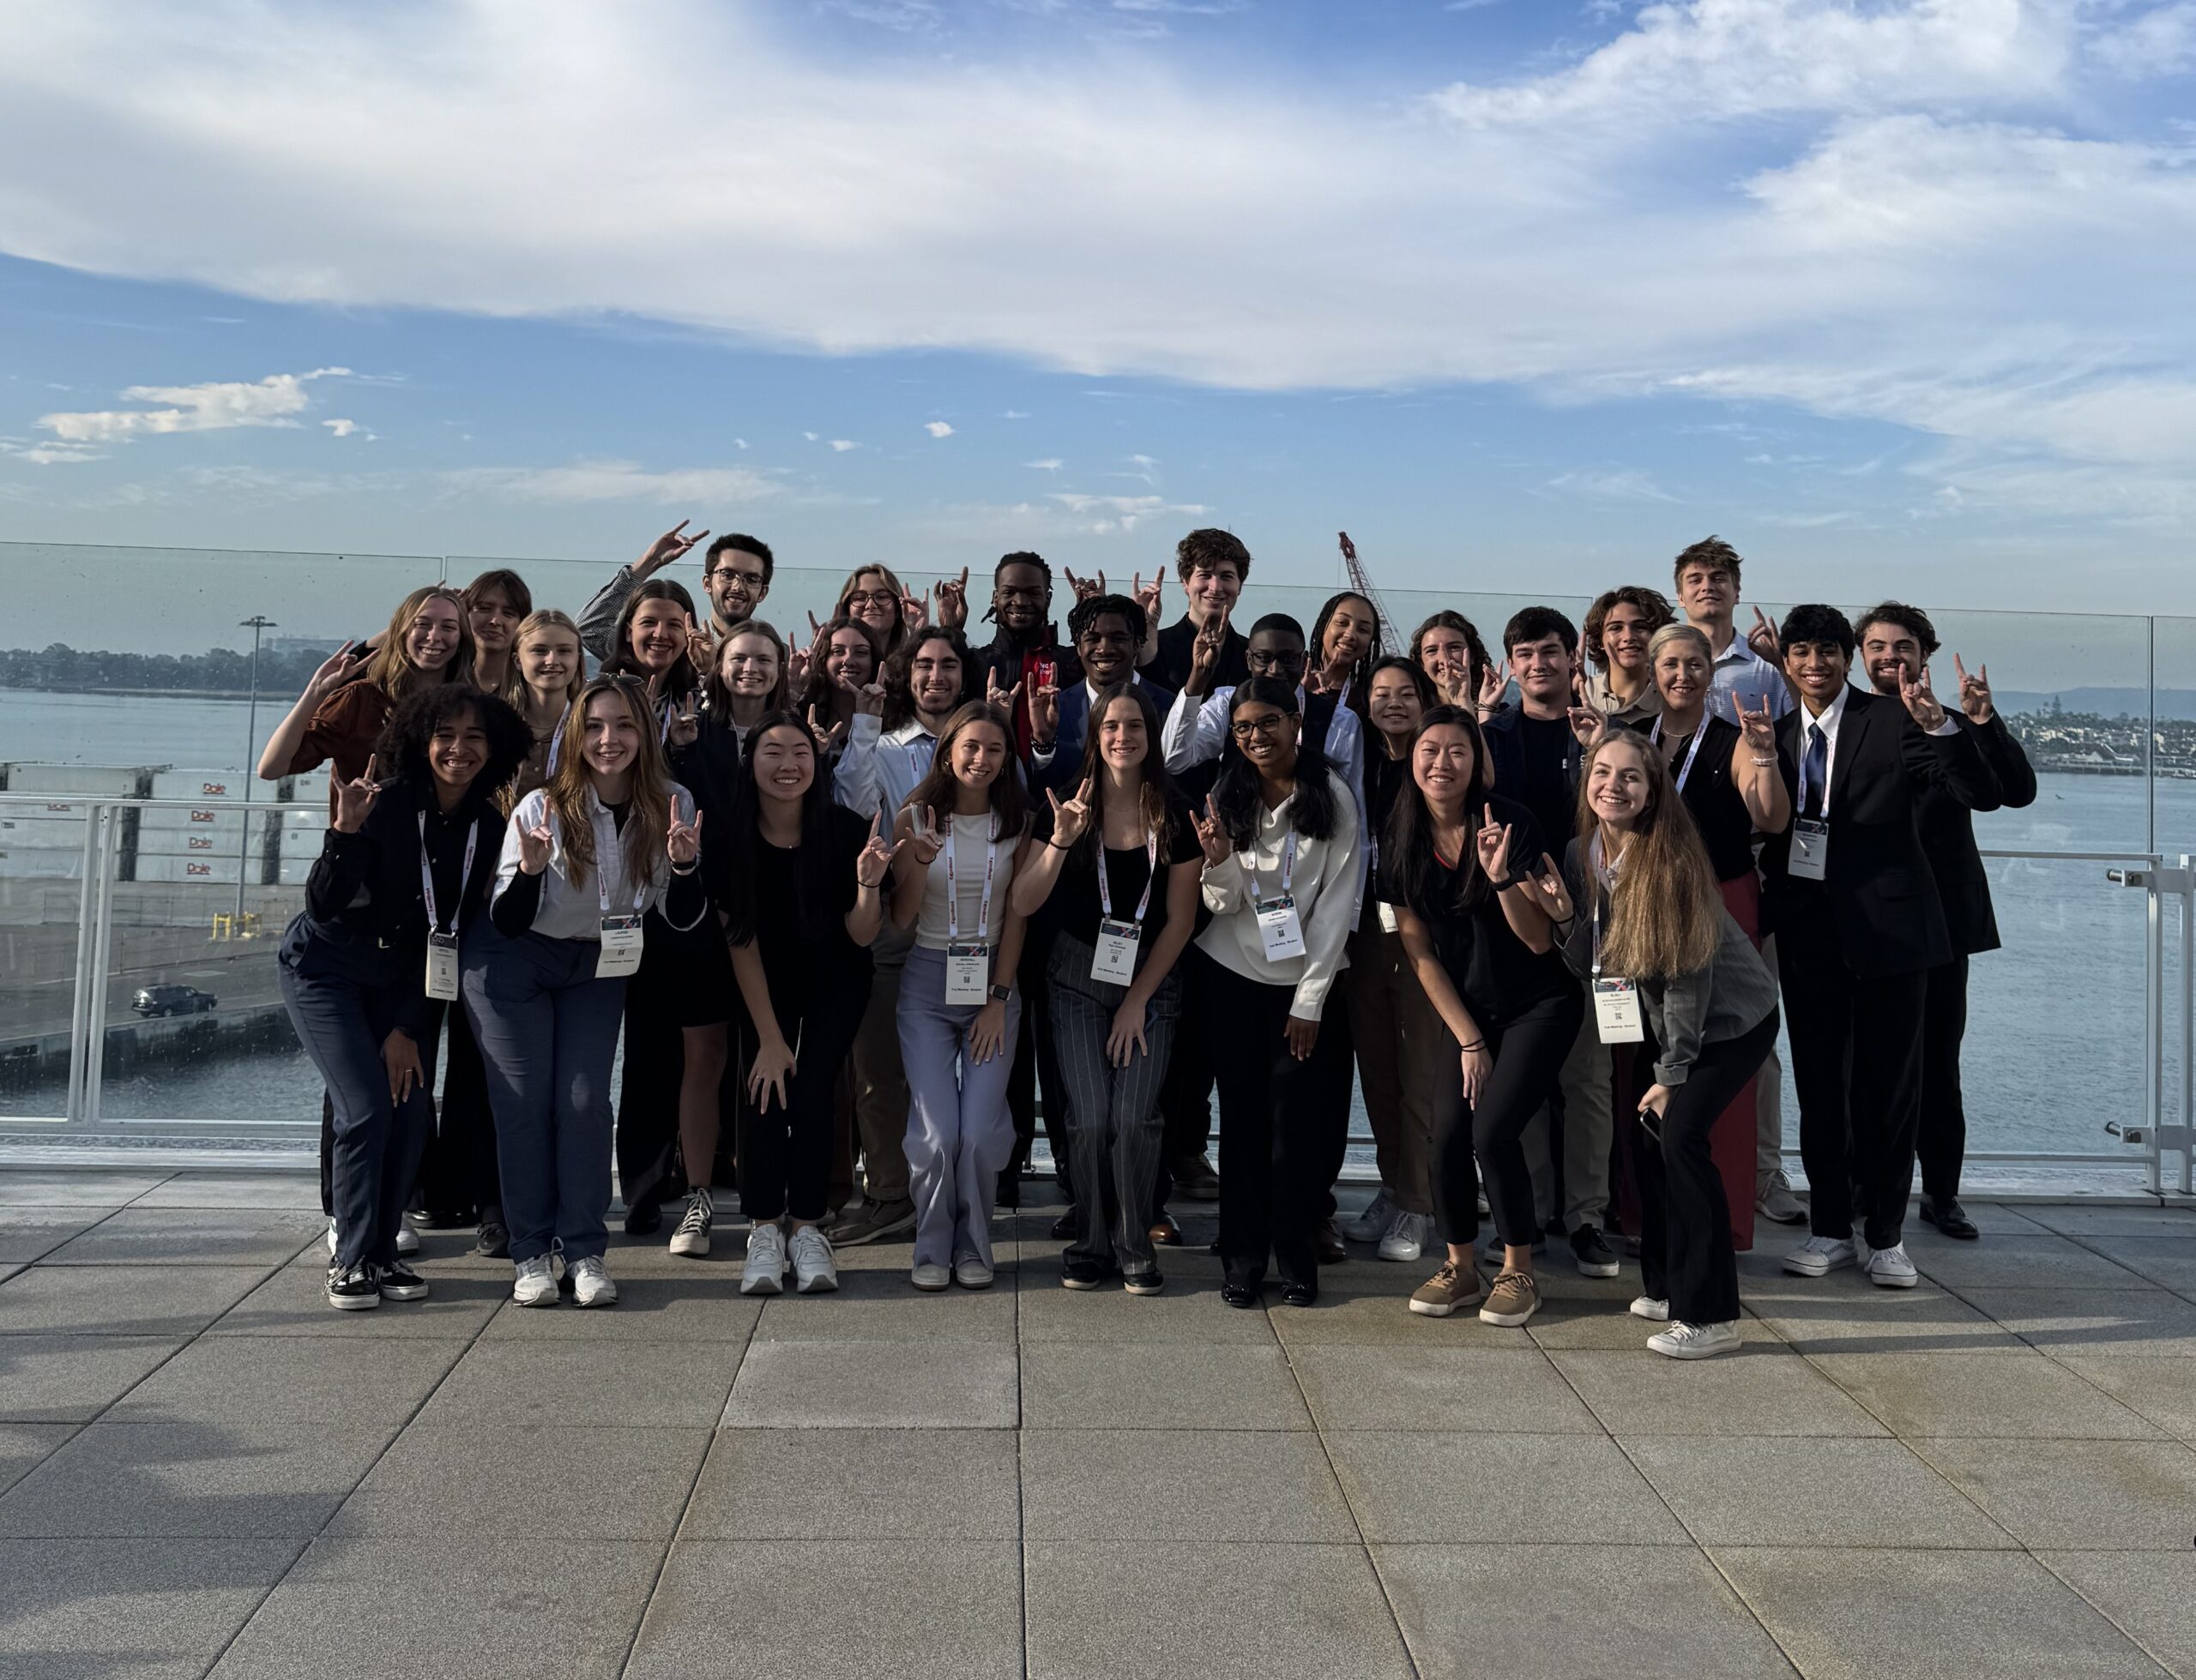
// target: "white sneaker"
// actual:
[[1405, 1237], [972, 1274], [1774, 1200], [1696, 1341], [1372, 1225], [815, 1272], [1818, 1256], [1889, 1268], [692, 1237], [930, 1277], [535, 1285], [591, 1284], [408, 1240], [1647, 1307], [766, 1260]]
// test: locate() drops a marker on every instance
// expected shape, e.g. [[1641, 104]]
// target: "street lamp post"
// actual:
[[257, 624]]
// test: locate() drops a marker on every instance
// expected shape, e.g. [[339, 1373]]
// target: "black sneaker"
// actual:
[[1596, 1258], [1144, 1283], [399, 1282], [1082, 1274], [494, 1239], [354, 1289]]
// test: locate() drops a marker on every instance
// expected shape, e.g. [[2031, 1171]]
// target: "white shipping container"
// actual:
[[166, 829], [295, 869], [209, 870], [41, 865], [116, 781], [56, 828], [175, 844], [228, 785]]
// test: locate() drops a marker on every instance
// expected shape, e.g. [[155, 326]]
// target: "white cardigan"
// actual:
[[1323, 882]]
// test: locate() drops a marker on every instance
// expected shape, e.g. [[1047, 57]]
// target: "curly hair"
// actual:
[[1814, 621], [1083, 613], [410, 730], [1652, 602], [1911, 619], [735, 542], [1207, 549], [899, 703]]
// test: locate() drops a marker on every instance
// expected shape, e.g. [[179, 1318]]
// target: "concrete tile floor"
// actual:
[[204, 1470]]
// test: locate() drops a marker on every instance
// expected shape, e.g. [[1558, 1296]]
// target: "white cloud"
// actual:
[[51, 454], [216, 406], [341, 428], [2158, 43], [1627, 484], [612, 481], [937, 429], [1014, 414], [1124, 513], [1050, 464], [841, 445]]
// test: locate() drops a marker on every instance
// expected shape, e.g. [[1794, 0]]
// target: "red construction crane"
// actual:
[[1390, 638]]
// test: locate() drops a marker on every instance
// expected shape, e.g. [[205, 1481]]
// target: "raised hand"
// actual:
[[1493, 843], [1922, 704], [869, 701], [1589, 724], [953, 600], [1762, 638], [672, 545], [1205, 652], [683, 839], [1759, 730], [1975, 692], [1084, 587], [1547, 891], [1044, 714], [535, 845], [1147, 597], [829, 736], [874, 861], [798, 661], [332, 673], [1072, 820], [1212, 834], [354, 798], [1004, 699], [685, 728], [815, 630], [924, 837], [915, 610], [699, 647], [1492, 681], [1334, 671]]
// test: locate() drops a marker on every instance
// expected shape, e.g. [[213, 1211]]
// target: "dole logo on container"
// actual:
[[197, 868], [203, 815], [213, 790]]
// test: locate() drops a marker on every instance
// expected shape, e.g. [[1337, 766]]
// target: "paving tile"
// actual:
[[929, 1484], [1419, 1486], [297, 1190], [2078, 1495], [23, 1446], [1991, 1218], [178, 1479], [29, 1233], [149, 1610], [1549, 1612], [61, 1379], [2015, 1396], [852, 1608], [2167, 1261], [1443, 1388], [559, 1383], [568, 1482], [2144, 1592], [243, 1381], [874, 1385], [2147, 1321], [1752, 1392], [1213, 1485], [471, 1606], [880, 1305], [1609, 1324], [2041, 1262], [1189, 1310], [1157, 1386], [1355, 1313], [2161, 1390], [1751, 1490], [684, 1309], [192, 1236], [1103, 1610], [1925, 1614], [294, 1302], [1841, 1315], [123, 1300], [65, 1187], [2076, 1219]]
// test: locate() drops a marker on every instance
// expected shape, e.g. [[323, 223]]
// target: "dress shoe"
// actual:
[[1240, 1294], [1063, 1228], [1164, 1232], [1945, 1212], [1194, 1177], [1299, 1294], [1332, 1249]]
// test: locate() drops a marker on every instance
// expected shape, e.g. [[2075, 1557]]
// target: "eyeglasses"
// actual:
[[1261, 662], [750, 581], [1272, 724], [870, 598]]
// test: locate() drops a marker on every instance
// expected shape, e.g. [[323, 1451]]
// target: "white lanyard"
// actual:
[[602, 868], [1617, 1017], [427, 877], [1288, 868], [1151, 863], [952, 887], [1700, 734]]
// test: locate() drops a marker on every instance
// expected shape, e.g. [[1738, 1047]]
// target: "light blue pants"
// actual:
[[960, 1133]]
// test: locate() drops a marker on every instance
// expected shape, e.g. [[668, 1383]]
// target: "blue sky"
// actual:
[[1892, 295]]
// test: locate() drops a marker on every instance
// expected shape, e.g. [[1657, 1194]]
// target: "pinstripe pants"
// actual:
[[1114, 1129]]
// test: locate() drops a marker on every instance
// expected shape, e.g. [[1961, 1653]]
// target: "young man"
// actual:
[[1896, 644], [1614, 678], [1859, 926], [1213, 566], [735, 575], [1024, 655], [1107, 631]]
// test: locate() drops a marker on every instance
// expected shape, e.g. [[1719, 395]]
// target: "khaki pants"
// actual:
[[1403, 1053]]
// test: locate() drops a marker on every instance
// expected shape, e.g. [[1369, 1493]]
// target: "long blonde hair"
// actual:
[[391, 669], [548, 619], [1666, 909], [568, 791]]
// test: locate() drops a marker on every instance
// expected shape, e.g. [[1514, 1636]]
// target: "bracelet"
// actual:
[[1765, 762], [1476, 1043], [687, 871], [1057, 846]]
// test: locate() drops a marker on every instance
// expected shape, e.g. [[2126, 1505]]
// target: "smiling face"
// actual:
[[872, 601], [749, 665], [1123, 740], [784, 757], [611, 744], [850, 660], [1393, 703], [1544, 670], [1107, 649], [1624, 635], [1276, 652], [1681, 676], [1266, 736], [494, 621], [1444, 765], [1708, 594], [433, 638], [1616, 783], [1018, 597], [657, 634], [1350, 630], [934, 677], [1890, 651], [1212, 590], [1818, 670], [735, 586], [1447, 658], [978, 755], [457, 749], [548, 659]]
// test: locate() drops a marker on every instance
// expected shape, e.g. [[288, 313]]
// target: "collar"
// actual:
[[908, 733], [1832, 714]]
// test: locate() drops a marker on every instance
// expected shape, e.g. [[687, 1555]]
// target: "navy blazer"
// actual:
[[1074, 729]]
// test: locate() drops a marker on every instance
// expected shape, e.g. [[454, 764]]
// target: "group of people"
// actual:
[[866, 912]]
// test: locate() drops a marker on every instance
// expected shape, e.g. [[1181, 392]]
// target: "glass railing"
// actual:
[[119, 724]]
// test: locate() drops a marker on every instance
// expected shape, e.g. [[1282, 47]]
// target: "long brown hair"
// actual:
[[718, 692], [568, 790], [391, 669], [898, 633], [1666, 910], [1159, 794], [502, 581], [1009, 803]]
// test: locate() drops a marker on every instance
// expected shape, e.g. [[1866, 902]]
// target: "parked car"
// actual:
[[171, 1001]]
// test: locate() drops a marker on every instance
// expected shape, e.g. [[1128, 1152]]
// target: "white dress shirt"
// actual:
[[571, 912]]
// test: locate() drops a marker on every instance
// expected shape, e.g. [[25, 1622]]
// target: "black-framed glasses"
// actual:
[[1262, 663], [1272, 724]]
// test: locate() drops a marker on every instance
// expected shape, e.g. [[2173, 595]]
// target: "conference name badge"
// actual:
[[1388, 922], [1279, 928], [968, 973], [1810, 856], [621, 947], [442, 968], [1616, 1012], [1114, 956]]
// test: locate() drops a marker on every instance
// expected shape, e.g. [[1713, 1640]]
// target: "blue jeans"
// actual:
[[548, 1033], [960, 1132]]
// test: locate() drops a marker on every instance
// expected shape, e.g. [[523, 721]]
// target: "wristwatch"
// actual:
[[1001, 992]]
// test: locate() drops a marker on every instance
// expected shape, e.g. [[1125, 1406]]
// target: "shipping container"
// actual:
[[113, 782]]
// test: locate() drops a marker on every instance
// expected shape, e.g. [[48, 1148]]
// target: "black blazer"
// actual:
[[1947, 829], [1881, 899], [1171, 667]]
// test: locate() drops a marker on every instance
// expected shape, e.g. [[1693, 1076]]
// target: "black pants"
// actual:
[[1856, 1063], [457, 1174], [655, 1058], [1185, 1096], [1941, 1137], [1528, 1054], [1036, 1070], [785, 1156], [1684, 1219], [1334, 1018], [1276, 1113]]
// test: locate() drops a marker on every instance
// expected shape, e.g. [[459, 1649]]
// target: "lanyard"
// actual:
[[952, 886], [1151, 865], [1287, 867], [427, 875], [1700, 734], [1598, 880], [607, 831]]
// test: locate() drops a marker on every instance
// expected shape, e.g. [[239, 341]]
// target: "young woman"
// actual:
[[496, 604], [875, 596], [1345, 641], [808, 897], [1280, 841], [1125, 919], [553, 672], [1403, 1051], [1665, 959], [849, 659], [1619, 679], [966, 832], [654, 642], [1482, 949], [368, 965], [1449, 649], [584, 858]]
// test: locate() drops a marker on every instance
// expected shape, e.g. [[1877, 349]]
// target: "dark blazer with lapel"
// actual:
[[1880, 895], [1948, 836], [1171, 667], [1074, 729]]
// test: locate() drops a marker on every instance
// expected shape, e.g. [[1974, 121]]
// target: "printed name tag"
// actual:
[[1616, 1012], [621, 947], [1810, 856], [1114, 958], [968, 973], [441, 966], [1388, 922], [1278, 927]]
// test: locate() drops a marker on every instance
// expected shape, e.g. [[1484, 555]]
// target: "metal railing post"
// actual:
[[2187, 1025], [80, 1002], [102, 955]]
